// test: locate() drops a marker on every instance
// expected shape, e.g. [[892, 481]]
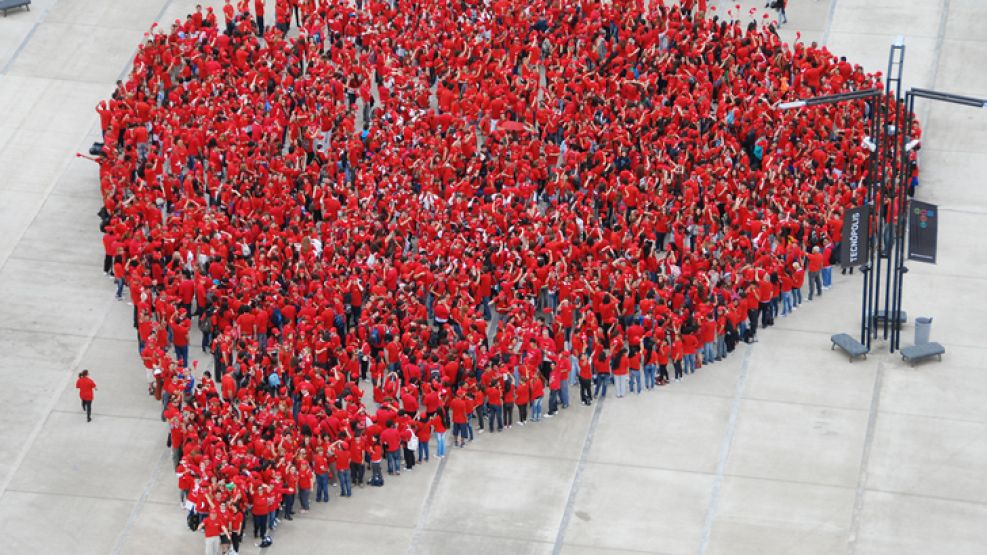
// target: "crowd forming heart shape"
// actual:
[[459, 207]]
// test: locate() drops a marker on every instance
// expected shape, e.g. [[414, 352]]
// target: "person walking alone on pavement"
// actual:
[[86, 386]]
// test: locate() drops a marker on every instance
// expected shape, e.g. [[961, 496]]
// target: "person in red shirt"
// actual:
[[439, 429], [180, 326], [585, 373], [634, 367], [522, 396], [554, 392], [234, 525], [306, 479], [602, 366], [320, 466], [391, 438], [815, 265], [214, 526], [621, 370], [261, 507], [460, 413], [259, 15], [495, 408], [798, 280], [86, 386], [376, 452], [342, 455], [785, 283], [510, 393], [677, 355], [537, 394], [765, 297], [119, 276]]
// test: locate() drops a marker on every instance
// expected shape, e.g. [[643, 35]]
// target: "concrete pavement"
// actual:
[[784, 448]]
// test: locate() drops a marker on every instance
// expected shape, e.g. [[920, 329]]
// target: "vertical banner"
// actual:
[[923, 229], [855, 236]]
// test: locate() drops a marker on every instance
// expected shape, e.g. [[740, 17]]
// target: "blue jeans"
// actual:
[[797, 296], [486, 308], [649, 376], [495, 411], [181, 353], [120, 284], [689, 363], [536, 409], [422, 450], [321, 488], [786, 302], [564, 394], [602, 382], [721, 345], [440, 438], [709, 353], [827, 276], [815, 284], [479, 412], [345, 484], [394, 461], [621, 382], [635, 378]]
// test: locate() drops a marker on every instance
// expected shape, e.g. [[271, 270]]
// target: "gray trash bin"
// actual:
[[923, 326]]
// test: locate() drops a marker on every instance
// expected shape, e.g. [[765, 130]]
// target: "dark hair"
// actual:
[[84, 373]]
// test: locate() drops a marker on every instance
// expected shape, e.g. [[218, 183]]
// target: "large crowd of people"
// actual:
[[392, 222]]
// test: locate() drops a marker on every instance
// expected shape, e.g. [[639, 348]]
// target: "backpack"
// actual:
[[193, 521], [413, 442], [375, 336]]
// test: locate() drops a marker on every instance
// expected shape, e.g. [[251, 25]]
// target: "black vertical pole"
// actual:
[[896, 145], [903, 183], [887, 185], [877, 199], [864, 336]]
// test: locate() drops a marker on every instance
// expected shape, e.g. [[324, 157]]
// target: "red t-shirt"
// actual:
[[458, 408], [213, 526], [85, 385]]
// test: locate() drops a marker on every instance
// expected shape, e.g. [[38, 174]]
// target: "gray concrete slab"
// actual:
[[794, 450], [908, 524], [768, 516], [930, 456], [508, 496], [635, 508], [678, 432], [798, 443]]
